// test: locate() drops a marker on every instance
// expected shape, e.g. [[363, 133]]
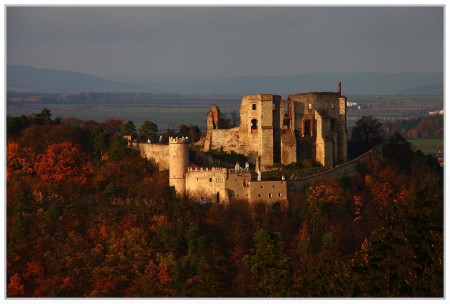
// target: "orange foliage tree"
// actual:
[[20, 160], [63, 162]]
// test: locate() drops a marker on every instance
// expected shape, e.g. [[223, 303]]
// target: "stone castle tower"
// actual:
[[178, 163], [258, 125]]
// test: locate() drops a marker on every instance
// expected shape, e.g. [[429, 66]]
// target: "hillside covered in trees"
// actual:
[[88, 217]]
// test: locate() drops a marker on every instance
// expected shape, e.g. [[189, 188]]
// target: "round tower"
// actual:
[[178, 163]]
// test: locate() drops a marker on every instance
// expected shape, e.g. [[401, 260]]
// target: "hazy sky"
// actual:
[[226, 41]]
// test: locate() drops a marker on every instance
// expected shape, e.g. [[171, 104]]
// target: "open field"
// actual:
[[394, 107], [428, 146], [164, 114]]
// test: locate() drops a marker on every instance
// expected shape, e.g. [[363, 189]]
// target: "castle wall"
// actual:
[[269, 192], [206, 184], [156, 152], [217, 184]]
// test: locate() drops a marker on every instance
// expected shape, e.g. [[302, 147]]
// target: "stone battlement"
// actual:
[[178, 140], [213, 169]]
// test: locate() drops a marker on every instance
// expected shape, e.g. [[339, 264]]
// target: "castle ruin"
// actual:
[[306, 126]]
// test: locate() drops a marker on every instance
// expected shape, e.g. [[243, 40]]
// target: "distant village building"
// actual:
[[437, 112], [351, 104]]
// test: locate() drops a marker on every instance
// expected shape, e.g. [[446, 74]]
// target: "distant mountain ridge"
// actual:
[[25, 78]]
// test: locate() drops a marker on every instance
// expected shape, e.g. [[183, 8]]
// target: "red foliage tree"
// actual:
[[63, 162], [15, 286], [20, 160]]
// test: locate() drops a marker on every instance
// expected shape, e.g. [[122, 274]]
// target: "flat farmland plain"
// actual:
[[428, 146], [166, 114]]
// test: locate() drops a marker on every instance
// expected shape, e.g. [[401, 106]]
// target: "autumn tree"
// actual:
[[15, 286], [20, 161], [113, 126], [64, 162]]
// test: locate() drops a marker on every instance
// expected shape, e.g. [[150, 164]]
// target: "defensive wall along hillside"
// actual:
[[153, 151], [349, 168]]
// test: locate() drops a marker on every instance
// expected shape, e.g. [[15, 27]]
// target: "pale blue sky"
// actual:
[[226, 41]]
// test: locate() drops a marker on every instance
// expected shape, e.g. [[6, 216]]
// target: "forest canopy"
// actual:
[[80, 225]]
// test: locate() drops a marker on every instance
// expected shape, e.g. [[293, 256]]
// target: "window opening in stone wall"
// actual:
[[333, 123], [307, 127], [254, 126], [270, 194], [287, 125], [210, 180], [254, 106]]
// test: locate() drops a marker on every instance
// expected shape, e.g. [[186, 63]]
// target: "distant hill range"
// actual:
[[30, 79]]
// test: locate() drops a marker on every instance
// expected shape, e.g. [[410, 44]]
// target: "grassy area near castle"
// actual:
[[428, 146]]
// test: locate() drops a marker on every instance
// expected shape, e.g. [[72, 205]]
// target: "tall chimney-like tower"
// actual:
[[179, 161], [339, 88]]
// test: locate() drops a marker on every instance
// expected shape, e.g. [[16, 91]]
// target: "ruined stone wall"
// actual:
[[266, 139], [226, 139], [288, 149], [315, 120], [268, 192], [324, 142], [157, 152], [326, 112], [342, 130]]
